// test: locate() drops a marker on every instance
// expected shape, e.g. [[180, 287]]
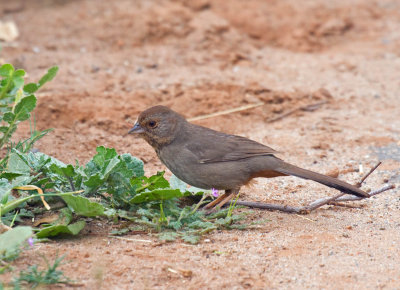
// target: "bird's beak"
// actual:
[[136, 129]]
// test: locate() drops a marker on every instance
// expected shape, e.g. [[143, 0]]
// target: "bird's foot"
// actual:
[[218, 203]]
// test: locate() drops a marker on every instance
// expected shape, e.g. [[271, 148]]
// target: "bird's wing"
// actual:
[[211, 146]]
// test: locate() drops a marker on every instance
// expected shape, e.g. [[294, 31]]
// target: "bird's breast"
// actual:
[[181, 163]]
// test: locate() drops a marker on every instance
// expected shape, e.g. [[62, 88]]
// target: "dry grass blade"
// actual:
[[303, 217], [39, 190], [226, 112], [308, 108], [131, 240]]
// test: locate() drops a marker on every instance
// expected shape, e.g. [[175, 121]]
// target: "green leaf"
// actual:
[[104, 155], [8, 117], [23, 109], [111, 173], [67, 171], [19, 73], [119, 232], [191, 238], [158, 181], [6, 70], [18, 82], [110, 212], [199, 224], [11, 240], [168, 236], [112, 164], [18, 79], [100, 161], [94, 182], [133, 164], [30, 88], [38, 160], [64, 218], [17, 165], [51, 73], [83, 206], [156, 194], [51, 231], [153, 182], [3, 129], [9, 175], [176, 183], [5, 189]]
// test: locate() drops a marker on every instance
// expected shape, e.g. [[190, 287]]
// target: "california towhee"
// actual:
[[208, 159]]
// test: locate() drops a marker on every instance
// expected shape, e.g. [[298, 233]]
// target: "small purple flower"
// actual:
[[214, 192], [30, 241]]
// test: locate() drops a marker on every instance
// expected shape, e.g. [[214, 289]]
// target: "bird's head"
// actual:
[[158, 125]]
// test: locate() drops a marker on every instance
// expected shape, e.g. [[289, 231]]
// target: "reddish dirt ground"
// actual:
[[117, 58]]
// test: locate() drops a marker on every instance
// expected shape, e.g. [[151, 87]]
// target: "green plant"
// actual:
[[17, 101], [115, 186], [11, 242], [35, 277], [109, 184], [171, 221]]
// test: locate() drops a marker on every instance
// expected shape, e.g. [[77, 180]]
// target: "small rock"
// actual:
[[8, 31], [94, 69], [36, 49]]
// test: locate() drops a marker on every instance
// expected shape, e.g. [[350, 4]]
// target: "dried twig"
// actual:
[[270, 206], [226, 112], [308, 108], [130, 240], [368, 174], [319, 202], [312, 206], [372, 193], [341, 204]]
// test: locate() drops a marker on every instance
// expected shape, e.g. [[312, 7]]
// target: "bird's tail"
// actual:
[[345, 187]]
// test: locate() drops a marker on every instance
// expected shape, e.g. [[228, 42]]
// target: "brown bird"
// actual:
[[207, 159]]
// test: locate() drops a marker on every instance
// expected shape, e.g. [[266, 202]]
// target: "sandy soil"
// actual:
[[117, 58]]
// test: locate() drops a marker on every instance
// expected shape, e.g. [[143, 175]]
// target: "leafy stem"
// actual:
[[7, 86], [143, 187], [232, 206], [71, 183], [163, 218], [9, 206], [198, 204], [7, 134]]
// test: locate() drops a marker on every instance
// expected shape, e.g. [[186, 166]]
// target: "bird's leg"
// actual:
[[233, 193], [222, 199], [218, 200]]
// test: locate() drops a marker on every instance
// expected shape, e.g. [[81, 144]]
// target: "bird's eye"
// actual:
[[152, 124]]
